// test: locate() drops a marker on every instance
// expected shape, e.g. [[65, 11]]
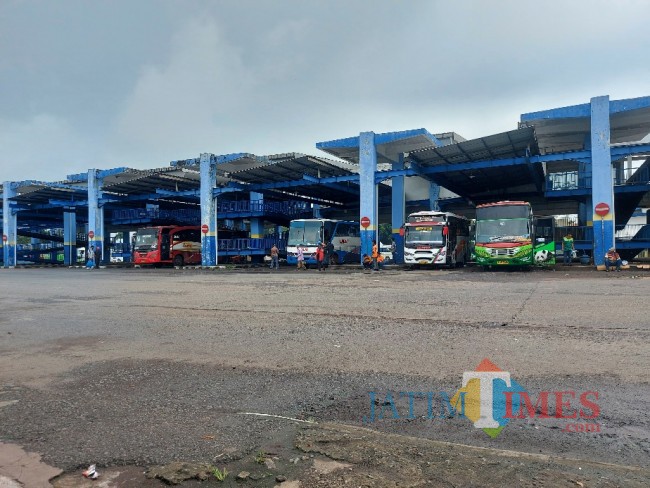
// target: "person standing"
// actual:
[[568, 247], [275, 255], [375, 256], [90, 263], [300, 255], [98, 256], [320, 256], [329, 252], [612, 258]]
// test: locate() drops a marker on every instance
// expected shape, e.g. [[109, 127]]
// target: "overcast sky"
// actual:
[[140, 83]]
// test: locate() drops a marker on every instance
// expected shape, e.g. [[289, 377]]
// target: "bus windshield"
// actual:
[[146, 239], [424, 233], [502, 230], [503, 212], [305, 233]]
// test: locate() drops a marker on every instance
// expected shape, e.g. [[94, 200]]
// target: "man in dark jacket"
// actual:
[[329, 251], [98, 256]]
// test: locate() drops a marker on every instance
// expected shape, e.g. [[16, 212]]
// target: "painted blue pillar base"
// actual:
[[257, 229], [398, 254], [367, 236], [209, 248], [9, 255], [603, 238], [69, 238]]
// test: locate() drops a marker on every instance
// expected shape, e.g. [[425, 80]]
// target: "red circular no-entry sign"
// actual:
[[205, 228], [365, 222], [601, 209], [91, 234], [4, 237]]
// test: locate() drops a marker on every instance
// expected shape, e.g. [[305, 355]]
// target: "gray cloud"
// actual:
[[105, 84]]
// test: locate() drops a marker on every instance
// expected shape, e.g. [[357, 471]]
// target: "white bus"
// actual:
[[308, 233], [436, 238]]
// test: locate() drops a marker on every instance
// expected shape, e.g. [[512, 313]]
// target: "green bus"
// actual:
[[507, 234]]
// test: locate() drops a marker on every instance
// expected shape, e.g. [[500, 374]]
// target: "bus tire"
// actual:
[[334, 259], [178, 261]]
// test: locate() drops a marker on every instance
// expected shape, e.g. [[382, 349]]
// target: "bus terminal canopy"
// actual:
[[568, 128], [468, 168], [389, 145], [477, 167], [312, 178]]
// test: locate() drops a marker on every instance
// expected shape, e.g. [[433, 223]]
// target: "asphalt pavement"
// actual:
[[141, 367]]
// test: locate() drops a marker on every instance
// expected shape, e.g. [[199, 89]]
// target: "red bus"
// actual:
[[168, 245]]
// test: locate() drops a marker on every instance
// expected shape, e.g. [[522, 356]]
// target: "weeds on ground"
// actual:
[[219, 474], [260, 458]]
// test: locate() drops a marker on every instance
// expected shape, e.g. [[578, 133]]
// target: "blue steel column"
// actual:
[[69, 237], [398, 211], [208, 210], [95, 212], [602, 190], [368, 189], [434, 194], [9, 226], [257, 225]]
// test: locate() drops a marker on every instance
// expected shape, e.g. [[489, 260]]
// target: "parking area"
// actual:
[[142, 367]]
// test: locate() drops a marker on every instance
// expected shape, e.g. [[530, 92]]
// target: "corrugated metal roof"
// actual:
[[148, 181], [485, 180], [515, 143]]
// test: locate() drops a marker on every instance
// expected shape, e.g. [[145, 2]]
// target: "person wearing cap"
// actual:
[[613, 258], [568, 247]]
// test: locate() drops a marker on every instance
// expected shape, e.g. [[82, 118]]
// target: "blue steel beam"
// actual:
[[417, 170], [584, 110], [185, 193], [56, 204], [226, 189], [230, 187], [334, 186], [101, 174], [618, 152], [383, 138]]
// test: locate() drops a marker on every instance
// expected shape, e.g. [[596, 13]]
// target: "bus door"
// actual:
[[164, 245], [544, 240]]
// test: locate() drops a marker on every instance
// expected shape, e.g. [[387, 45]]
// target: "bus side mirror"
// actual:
[[445, 231]]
